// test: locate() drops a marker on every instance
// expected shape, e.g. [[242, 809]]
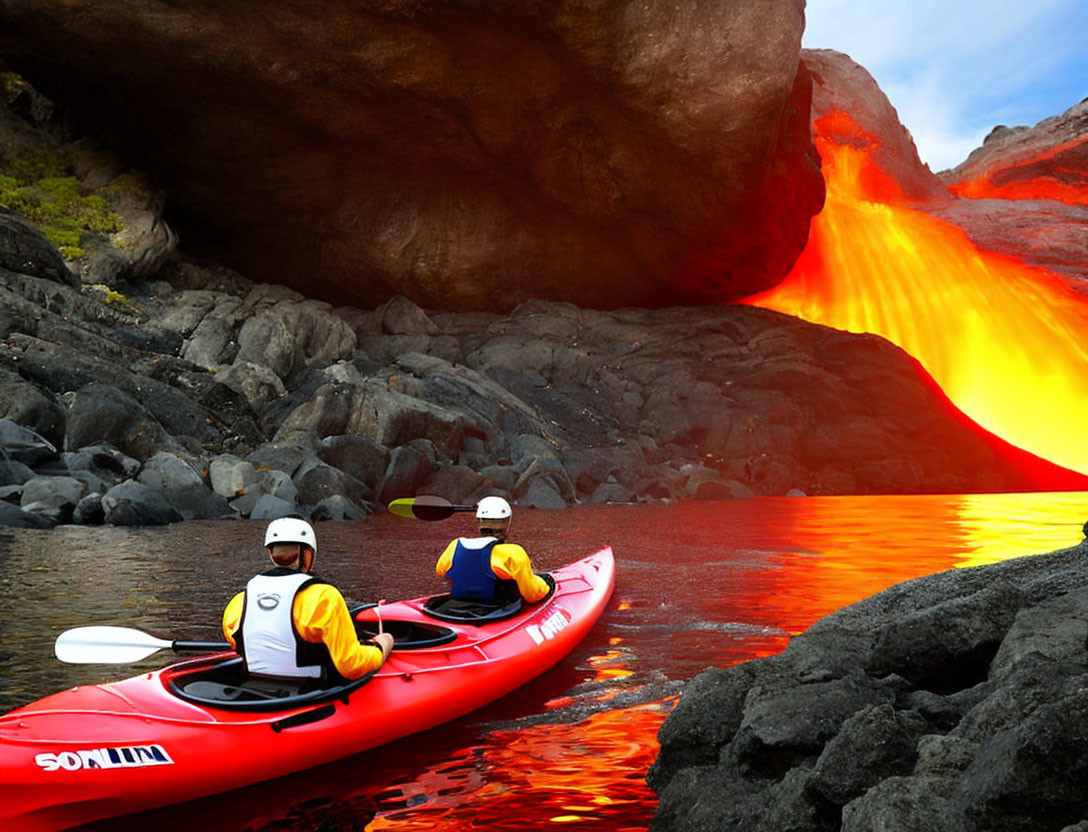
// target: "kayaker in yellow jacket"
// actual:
[[289, 623], [487, 569]]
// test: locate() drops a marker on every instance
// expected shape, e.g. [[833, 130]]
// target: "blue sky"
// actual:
[[954, 69]]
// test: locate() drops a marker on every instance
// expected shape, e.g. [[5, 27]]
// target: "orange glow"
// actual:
[[539, 775], [1006, 342], [609, 666], [1039, 187]]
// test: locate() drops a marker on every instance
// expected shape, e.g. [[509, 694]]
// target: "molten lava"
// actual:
[[1020, 181], [1007, 343]]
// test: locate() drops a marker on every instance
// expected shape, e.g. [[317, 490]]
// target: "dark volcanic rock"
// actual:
[[465, 155], [847, 719], [23, 249], [134, 504]]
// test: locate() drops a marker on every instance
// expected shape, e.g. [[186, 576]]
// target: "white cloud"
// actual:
[[953, 70]]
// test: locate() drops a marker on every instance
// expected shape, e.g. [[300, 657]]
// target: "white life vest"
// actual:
[[270, 642]]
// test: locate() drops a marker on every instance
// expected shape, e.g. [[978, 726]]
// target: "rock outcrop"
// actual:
[[1025, 192], [464, 155], [841, 86], [251, 399], [957, 701]]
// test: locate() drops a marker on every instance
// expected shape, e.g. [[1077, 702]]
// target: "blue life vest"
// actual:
[[473, 579]]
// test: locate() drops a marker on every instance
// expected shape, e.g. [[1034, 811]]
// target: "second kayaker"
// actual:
[[486, 569], [288, 623]]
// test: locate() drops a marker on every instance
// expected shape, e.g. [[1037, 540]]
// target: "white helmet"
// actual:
[[291, 530], [493, 508]]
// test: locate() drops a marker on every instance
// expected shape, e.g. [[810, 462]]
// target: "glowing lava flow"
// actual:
[[1073, 192], [1008, 343]]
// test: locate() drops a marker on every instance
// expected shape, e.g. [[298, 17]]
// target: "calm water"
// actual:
[[697, 584]]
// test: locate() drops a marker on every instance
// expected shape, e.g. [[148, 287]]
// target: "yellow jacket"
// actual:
[[320, 615], [509, 562]]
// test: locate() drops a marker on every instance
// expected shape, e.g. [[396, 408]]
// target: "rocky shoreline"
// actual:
[[197, 394], [957, 701]]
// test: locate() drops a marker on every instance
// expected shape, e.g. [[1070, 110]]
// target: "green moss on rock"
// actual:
[[43, 189]]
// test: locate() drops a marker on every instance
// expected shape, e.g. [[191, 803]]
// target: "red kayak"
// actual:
[[200, 726]]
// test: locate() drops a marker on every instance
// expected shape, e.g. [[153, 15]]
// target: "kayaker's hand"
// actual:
[[385, 642]]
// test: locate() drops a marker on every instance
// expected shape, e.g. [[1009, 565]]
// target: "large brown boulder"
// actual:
[[465, 154]]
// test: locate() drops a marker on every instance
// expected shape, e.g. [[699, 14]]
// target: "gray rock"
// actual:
[[21, 444], [399, 316], [14, 473], [101, 462], [978, 723], [338, 507], [542, 493], [26, 250], [89, 510], [284, 458], [409, 466], [270, 507], [454, 482], [54, 497], [356, 456], [502, 477], [875, 743], [231, 476], [34, 408], [904, 804], [257, 383], [183, 488], [275, 483], [11, 515], [134, 504], [212, 342], [316, 480], [100, 413], [611, 492]]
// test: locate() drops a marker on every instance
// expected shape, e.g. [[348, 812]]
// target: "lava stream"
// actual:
[[1007, 342]]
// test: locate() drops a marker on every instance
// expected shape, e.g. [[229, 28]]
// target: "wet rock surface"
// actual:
[[462, 154], [957, 701]]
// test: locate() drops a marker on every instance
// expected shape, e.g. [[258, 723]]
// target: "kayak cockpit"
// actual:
[[448, 608], [226, 683]]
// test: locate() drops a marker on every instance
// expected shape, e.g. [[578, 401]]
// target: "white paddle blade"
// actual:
[[106, 645]]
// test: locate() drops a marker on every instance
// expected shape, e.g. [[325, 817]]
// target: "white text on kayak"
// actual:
[[552, 625], [129, 756]]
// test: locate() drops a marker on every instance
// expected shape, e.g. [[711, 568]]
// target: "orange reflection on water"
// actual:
[[591, 772], [855, 547], [1006, 342]]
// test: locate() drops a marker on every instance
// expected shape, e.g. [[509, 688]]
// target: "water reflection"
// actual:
[[698, 584]]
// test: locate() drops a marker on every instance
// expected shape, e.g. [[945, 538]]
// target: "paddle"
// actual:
[[120, 645], [425, 507]]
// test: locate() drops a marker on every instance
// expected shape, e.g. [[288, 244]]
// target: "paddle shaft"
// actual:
[[426, 507], [179, 646]]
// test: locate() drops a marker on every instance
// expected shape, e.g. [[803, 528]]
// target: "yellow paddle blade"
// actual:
[[425, 507]]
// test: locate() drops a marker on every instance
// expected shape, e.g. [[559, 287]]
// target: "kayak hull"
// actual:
[[100, 751]]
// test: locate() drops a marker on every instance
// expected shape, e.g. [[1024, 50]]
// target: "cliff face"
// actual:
[[463, 154]]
